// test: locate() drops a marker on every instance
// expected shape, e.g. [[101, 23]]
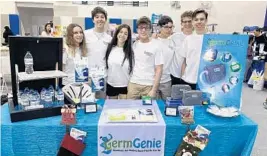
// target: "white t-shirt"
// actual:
[[177, 62], [191, 51], [118, 73], [96, 44], [168, 53], [69, 64], [147, 56]]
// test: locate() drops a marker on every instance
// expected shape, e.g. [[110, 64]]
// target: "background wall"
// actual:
[[33, 18], [229, 15]]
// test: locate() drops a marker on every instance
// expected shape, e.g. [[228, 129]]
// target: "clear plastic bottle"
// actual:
[[28, 62], [48, 99], [33, 99], [24, 100], [60, 97], [42, 95], [52, 92]]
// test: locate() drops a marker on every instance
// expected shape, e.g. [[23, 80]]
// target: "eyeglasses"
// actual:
[[187, 22], [143, 28], [166, 27]]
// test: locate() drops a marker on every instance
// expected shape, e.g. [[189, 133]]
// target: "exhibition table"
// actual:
[[42, 137]]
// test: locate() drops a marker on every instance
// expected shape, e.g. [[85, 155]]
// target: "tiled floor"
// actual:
[[253, 108]]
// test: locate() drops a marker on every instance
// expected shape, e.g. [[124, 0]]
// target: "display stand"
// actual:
[[47, 57]]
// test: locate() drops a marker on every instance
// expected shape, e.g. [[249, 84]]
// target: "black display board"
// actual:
[[46, 52]]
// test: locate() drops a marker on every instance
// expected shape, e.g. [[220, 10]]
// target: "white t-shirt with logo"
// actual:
[[147, 56], [168, 53], [118, 73], [177, 62], [69, 62], [96, 44], [191, 51]]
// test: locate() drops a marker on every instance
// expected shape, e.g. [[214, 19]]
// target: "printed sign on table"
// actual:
[[222, 67], [130, 139]]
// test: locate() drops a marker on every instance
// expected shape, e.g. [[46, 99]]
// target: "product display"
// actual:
[[171, 111], [68, 115], [233, 80], [147, 100], [90, 107], [187, 114], [235, 67], [78, 134], [193, 97], [79, 93], [194, 142], [32, 99], [81, 70], [97, 75], [226, 57], [178, 90], [131, 115], [211, 55], [173, 102], [223, 112], [214, 73], [222, 76]]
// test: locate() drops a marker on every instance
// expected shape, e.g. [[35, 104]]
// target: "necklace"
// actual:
[[99, 35]]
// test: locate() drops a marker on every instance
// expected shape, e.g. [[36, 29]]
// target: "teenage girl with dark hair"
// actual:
[[119, 60]]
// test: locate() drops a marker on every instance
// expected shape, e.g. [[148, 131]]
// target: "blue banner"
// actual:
[[222, 67]]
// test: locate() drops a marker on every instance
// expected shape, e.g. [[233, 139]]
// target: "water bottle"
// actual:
[[42, 95], [33, 99], [26, 90], [28, 61], [60, 97], [19, 99], [24, 100], [48, 99], [52, 92]]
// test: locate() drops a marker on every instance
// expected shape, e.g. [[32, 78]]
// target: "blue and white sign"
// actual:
[[222, 67], [130, 139], [81, 69]]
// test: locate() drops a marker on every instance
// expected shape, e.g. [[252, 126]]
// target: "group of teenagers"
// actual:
[[150, 65]]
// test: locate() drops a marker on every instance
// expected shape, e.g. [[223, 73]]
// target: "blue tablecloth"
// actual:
[[42, 137]]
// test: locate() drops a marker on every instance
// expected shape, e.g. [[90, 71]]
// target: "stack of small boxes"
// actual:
[[173, 102], [182, 95]]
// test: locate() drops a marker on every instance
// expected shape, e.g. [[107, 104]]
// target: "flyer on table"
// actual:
[[222, 67]]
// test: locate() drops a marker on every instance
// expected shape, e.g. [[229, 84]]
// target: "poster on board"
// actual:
[[222, 67]]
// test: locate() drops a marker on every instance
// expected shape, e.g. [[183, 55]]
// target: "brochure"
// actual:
[[131, 115]]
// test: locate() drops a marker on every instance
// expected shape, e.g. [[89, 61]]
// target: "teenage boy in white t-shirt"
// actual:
[[97, 39], [191, 49], [166, 29], [178, 39], [148, 66]]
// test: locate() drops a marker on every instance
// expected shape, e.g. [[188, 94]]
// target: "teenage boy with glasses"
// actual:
[[166, 26], [178, 39], [148, 66], [191, 49]]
